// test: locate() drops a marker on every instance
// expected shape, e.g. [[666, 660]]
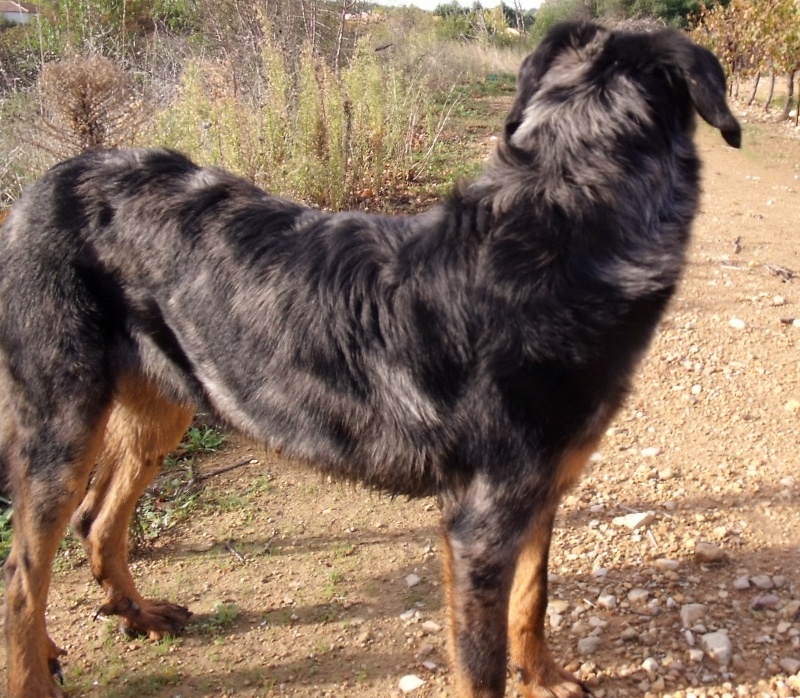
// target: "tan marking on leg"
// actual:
[[531, 659], [31, 654], [142, 429]]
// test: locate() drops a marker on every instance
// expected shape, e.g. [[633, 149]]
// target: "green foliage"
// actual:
[[554, 11], [5, 528]]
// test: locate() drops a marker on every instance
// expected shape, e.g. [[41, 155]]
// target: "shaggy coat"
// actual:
[[476, 352]]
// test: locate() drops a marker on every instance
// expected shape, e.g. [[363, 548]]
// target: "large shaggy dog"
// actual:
[[475, 352]]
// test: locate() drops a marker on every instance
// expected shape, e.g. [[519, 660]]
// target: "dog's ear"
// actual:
[[705, 81]]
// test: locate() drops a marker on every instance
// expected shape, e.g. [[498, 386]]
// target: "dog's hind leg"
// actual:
[[49, 466], [143, 428]]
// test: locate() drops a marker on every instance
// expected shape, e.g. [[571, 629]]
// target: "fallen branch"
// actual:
[[225, 469]]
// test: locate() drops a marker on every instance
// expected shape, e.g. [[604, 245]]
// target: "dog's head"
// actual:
[[660, 79]]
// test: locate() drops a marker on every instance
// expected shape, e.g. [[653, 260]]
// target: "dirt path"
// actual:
[[303, 588]]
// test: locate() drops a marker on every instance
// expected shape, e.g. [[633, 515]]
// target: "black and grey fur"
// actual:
[[475, 352]]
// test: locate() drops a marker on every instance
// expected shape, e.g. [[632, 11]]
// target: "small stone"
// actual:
[[629, 634], [695, 655], [778, 300], [431, 627], [634, 521], [792, 406], [557, 606], [410, 683], [691, 613], [607, 601], [665, 565], [429, 665], [737, 323], [650, 451], [709, 552], [650, 666], [412, 580], [759, 603], [638, 596], [588, 645], [790, 665], [741, 583], [762, 581], [791, 610], [718, 646], [408, 615]]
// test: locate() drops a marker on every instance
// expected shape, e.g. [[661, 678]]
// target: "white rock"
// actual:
[[638, 596], [408, 615], [557, 606], [431, 627], [718, 646], [430, 666], [410, 683], [650, 665], [596, 622], [737, 323], [709, 552], [634, 521], [691, 613], [607, 601], [762, 581], [650, 451], [599, 572], [741, 583], [588, 645], [791, 610], [790, 665], [665, 565], [412, 580], [695, 656], [778, 300]]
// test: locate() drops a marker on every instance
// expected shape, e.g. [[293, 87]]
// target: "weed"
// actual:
[[5, 527], [223, 616]]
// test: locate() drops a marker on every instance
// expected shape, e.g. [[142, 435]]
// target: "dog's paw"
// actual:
[[154, 619], [556, 683]]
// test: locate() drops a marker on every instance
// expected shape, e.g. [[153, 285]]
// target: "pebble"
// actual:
[[588, 645], [650, 451], [792, 406], [790, 665], [409, 683], [737, 323], [650, 666], [691, 613], [431, 627], [607, 601], [638, 596], [741, 583], [791, 610], [709, 552], [665, 565], [412, 580], [634, 521], [718, 646], [763, 601], [762, 581]]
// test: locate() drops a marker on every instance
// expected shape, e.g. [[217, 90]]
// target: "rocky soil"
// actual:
[[676, 562]]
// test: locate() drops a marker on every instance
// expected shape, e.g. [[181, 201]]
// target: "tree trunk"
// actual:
[[755, 89], [771, 91], [789, 95]]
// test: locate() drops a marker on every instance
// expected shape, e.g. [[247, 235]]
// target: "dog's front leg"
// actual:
[[481, 544], [531, 660]]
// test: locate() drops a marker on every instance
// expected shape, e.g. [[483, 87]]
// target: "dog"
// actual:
[[475, 352]]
